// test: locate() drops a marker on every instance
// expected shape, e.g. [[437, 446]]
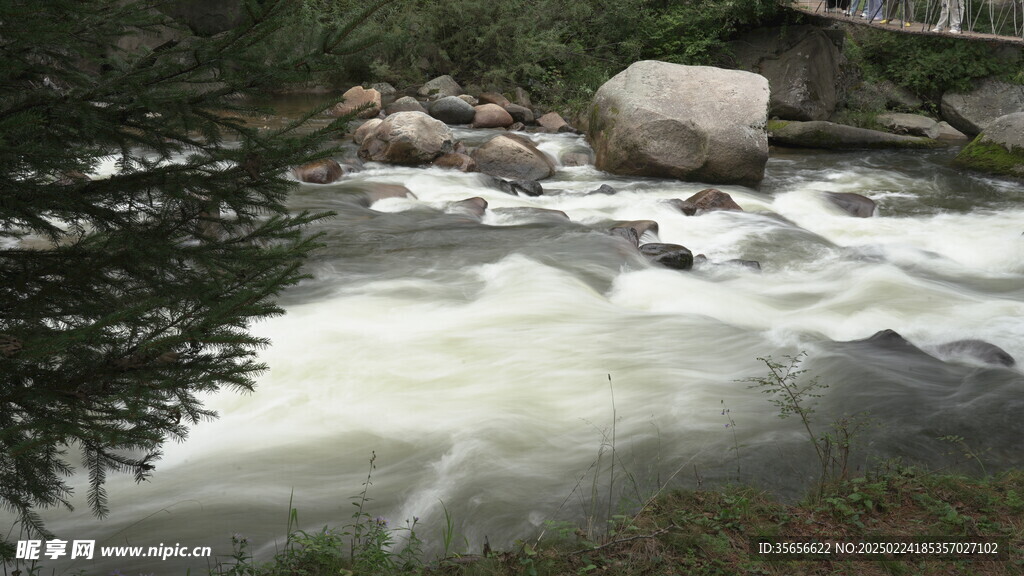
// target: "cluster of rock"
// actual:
[[415, 129]]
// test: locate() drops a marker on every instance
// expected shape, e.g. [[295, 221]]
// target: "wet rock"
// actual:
[[553, 122], [978, 350], [491, 116], [357, 98], [460, 162], [525, 215], [452, 110], [634, 229], [365, 128], [711, 199], [468, 99], [440, 87], [750, 264], [576, 158], [853, 204], [475, 206], [527, 187], [669, 255], [319, 172], [603, 189], [516, 127], [684, 206], [514, 157], [405, 104], [408, 138], [629, 234], [376, 191], [949, 134]]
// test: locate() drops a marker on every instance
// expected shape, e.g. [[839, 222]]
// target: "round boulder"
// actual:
[[369, 126], [520, 113], [452, 110], [405, 104], [693, 123], [999, 149], [407, 138], [491, 116], [514, 157], [712, 199], [319, 171]]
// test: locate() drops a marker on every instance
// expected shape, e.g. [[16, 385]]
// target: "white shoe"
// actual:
[[954, 31], [938, 29]]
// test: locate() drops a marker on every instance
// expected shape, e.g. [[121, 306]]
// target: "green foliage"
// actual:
[[559, 50], [143, 228], [793, 395], [929, 66]]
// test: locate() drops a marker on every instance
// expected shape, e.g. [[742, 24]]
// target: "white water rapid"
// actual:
[[488, 361]]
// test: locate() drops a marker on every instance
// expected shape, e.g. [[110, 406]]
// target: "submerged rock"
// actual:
[[976, 350], [853, 204]]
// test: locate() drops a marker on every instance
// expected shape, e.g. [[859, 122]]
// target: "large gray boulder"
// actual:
[[830, 136], [440, 87], [407, 138], [693, 123], [999, 149], [971, 112], [452, 110], [801, 64], [514, 157]]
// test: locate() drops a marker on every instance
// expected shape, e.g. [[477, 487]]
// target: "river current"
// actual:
[[490, 363]]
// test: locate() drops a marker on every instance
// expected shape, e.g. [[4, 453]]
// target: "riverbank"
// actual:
[[900, 521]]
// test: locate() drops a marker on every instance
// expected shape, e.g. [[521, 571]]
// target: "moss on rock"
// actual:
[[986, 156]]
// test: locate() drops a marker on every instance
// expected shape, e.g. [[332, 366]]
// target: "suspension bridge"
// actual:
[[997, 21]]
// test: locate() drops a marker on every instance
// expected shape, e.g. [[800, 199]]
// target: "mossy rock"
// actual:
[[991, 158], [999, 149]]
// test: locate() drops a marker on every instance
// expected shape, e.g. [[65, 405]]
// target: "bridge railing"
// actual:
[[998, 17]]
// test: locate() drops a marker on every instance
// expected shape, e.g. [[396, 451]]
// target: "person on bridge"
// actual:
[[873, 11], [951, 13]]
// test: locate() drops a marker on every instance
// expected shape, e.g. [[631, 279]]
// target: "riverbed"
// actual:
[[496, 366]]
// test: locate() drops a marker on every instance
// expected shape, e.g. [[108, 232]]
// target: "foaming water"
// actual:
[[484, 360]]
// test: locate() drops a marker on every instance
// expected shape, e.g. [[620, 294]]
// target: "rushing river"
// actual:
[[489, 361]]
